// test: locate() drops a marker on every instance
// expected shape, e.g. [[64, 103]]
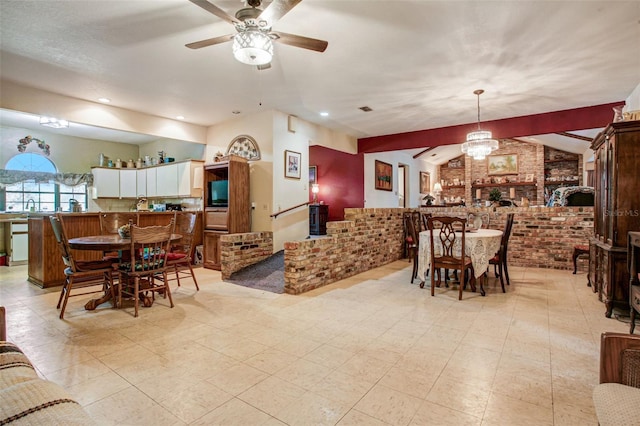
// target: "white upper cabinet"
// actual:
[[166, 180], [106, 182], [141, 183], [128, 185]]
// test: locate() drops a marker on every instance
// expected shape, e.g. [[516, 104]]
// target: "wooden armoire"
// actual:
[[616, 210]]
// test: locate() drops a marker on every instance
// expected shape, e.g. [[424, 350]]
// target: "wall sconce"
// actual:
[[315, 189]]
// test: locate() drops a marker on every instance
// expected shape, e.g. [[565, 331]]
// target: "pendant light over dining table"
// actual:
[[479, 143]]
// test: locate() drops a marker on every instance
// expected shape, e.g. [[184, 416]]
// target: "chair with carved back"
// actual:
[[91, 276], [412, 226], [148, 250], [447, 253], [110, 223], [499, 260], [179, 258]]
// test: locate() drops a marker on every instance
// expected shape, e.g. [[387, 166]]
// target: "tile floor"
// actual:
[[369, 350]]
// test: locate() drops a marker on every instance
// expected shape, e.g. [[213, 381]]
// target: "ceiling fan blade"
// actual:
[[215, 10], [300, 41], [210, 41], [277, 9]]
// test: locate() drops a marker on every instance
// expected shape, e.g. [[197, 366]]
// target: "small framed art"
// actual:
[[292, 162], [425, 182], [313, 174], [383, 176]]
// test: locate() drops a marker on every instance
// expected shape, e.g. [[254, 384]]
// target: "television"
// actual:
[[218, 193]]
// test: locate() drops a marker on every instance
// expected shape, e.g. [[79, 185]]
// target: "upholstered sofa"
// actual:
[[25, 398], [617, 397]]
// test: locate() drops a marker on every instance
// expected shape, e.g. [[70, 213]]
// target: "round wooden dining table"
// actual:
[[110, 242]]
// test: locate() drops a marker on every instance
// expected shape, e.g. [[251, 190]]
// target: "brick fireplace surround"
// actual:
[[542, 237]]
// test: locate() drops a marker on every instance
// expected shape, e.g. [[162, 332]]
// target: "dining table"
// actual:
[[480, 245], [107, 243]]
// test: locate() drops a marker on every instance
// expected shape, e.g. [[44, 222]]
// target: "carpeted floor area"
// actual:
[[267, 275]]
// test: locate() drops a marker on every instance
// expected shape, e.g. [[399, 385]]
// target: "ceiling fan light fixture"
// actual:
[[479, 143], [253, 47]]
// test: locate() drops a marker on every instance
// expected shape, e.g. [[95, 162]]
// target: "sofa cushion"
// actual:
[[30, 400], [616, 404]]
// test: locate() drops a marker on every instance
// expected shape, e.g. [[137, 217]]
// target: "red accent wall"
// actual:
[[340, 177]]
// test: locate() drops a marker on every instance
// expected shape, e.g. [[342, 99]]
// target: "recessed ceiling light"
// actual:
[[104, 100], [180, 117], [324, 114]]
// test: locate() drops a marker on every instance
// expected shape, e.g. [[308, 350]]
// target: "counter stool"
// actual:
[[578, 251]]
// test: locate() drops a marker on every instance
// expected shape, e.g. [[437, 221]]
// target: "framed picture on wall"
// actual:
[[313, 174], [292, 162], [383, 176], [425, 182], [502, 164]]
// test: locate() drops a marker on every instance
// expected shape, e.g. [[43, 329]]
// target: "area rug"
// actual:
[[266, 275]]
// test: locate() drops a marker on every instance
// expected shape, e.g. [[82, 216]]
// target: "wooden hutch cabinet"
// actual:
[[227, 207], [616, 210]]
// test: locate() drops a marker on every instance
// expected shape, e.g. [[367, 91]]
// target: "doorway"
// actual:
[[403, 190]]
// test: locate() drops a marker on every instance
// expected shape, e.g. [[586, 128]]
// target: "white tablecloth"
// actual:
[[480, 246]]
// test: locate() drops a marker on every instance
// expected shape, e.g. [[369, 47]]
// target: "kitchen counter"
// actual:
[[46, 268]]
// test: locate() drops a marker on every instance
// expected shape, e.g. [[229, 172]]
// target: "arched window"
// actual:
[[49, 196]]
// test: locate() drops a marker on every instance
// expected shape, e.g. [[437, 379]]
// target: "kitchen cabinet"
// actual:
[[152, 182], [128, 185], [141, 183], [180, 179], [17, 242], [106, 182], [167, 179]]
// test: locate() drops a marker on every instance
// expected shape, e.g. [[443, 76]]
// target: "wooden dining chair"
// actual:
[[110, 222], [149, 246], [499, 260], [443, 230], [92, 276], [179, 258], [412, 225]]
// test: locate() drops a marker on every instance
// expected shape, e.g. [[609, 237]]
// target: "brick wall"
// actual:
[[238, 251], [366, 239], [541, 238]]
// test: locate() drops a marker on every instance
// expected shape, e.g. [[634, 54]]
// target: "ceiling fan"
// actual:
[[252, 44]]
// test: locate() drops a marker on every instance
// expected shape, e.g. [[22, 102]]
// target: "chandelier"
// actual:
[[479, 143], [253, 47]]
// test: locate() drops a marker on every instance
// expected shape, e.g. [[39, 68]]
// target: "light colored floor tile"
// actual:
[[371, 349], [389, 405]]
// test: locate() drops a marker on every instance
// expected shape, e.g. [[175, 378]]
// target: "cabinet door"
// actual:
[[152, 182], [106, 182], [167, 180], [128, 186], [141, 182], [184, 179], [212, 250], [19, 247]]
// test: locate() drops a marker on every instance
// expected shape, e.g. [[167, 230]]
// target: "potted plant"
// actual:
[[495, 196]]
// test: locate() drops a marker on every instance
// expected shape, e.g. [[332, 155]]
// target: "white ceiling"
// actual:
[[415, 63]]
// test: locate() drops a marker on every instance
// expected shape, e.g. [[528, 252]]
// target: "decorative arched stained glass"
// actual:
[[244, 146]]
